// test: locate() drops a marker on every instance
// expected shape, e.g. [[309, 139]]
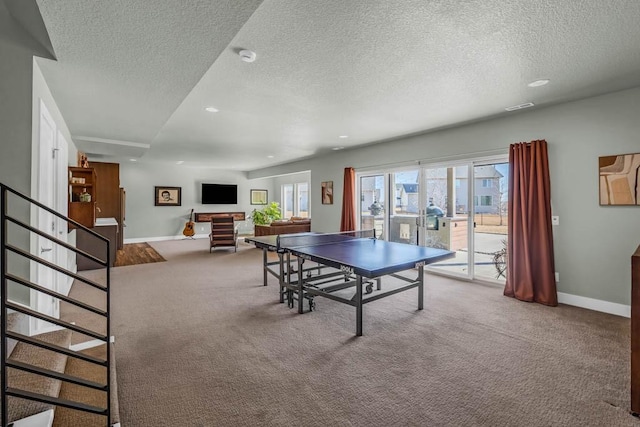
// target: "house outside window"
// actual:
[[487, 183], [483, 201]]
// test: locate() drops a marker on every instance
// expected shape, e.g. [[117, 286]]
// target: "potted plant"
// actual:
[[266, 215]]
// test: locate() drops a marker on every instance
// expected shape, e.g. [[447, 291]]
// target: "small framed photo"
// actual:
[[168, 196], [259, 197], [327, 193]]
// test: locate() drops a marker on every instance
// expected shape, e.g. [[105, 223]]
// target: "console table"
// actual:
[[206, 216]]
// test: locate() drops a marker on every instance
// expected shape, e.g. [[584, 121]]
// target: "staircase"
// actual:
[[44, 378]]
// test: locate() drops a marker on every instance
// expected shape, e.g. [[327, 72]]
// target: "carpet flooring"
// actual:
[[137, 253], [202, 343]]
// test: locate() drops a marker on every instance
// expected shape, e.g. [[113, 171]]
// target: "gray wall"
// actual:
[[144, 220], [17, 48], [592, 244]]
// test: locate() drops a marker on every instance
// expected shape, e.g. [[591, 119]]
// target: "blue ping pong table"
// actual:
[[355, 260]]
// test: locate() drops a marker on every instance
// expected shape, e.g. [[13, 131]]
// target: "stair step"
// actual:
[[17, 322], [20, 380], [68, 417]]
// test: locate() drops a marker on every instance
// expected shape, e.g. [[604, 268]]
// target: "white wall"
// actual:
[[146, 221], [593, 244]]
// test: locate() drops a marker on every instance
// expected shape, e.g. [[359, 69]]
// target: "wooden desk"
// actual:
[[206, 216]]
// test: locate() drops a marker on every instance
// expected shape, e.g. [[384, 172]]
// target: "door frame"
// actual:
[[470, 162], [57, 185]]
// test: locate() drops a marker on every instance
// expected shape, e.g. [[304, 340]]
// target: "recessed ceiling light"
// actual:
[[343, 136], [520, 106], [247, 55], [538, 83], [269, 157], [133, 160], [179, 162], [212, 109], [337, 148]]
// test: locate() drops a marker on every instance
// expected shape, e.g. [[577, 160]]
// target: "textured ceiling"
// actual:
[[144, 71]]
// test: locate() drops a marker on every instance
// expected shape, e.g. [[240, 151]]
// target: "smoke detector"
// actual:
[[247, 55]]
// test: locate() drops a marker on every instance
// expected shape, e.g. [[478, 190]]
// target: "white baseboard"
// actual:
[[162, 238], [595, 304]]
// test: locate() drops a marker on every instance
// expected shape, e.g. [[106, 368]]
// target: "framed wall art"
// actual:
[[620, 180], [168, 196], [259, 197], [327, 193]]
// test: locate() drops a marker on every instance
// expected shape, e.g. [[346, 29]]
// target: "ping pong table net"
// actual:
[[314, 239]]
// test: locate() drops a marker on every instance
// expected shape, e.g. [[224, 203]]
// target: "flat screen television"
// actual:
[[219, 194]]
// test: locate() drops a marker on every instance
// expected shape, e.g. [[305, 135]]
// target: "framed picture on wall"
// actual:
[[259, 197], [620, 180], [168, 196], [327, 193]]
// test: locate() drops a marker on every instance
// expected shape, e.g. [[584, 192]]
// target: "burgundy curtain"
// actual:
[[348, 221], [530, 265]]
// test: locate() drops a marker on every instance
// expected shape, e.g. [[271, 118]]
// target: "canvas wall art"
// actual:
[[619, 180]]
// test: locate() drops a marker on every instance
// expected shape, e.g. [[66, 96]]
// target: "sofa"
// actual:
[[284, 227]]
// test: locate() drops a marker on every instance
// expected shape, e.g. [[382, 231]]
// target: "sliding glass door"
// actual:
[[445, 218], [491, 182], [460, 206], [403, 217], [373, 204]]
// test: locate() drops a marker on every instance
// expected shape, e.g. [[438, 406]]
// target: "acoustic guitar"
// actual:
[[188, 228]]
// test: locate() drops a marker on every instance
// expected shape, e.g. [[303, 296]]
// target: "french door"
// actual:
[[459, 206]]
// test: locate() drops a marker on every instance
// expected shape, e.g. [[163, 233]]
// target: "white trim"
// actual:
[[162, 238], [595, 304], [89, 344], [37, 420], [112, 141]]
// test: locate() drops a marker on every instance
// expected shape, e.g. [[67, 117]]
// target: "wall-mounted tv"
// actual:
[[219, 194]]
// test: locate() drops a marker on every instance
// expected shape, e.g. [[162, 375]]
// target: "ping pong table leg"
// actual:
[[265, 265], [300, 287], [281, 276], [420, 288], [359, 305]]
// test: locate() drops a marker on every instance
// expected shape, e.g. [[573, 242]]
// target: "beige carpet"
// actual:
[[202, 343]]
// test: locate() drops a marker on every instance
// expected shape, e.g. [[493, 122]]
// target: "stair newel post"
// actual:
[[3, 274], [108, 286]]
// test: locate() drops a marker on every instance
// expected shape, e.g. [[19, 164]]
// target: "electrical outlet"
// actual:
[[555, 220], [557, 277]]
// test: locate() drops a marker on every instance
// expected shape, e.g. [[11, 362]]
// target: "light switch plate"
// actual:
[[555, 220]]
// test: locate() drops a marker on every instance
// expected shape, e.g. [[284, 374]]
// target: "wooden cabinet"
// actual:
[[106, 227], [82, 195], [109, 194]]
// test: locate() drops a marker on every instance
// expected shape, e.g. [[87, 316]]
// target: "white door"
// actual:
[[46, 249], [61, 202]]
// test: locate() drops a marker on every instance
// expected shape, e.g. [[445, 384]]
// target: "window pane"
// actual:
[[287, 200], [303, 200], [372, 203]]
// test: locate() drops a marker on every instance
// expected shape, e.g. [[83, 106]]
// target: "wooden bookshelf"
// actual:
[[82, 180]]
